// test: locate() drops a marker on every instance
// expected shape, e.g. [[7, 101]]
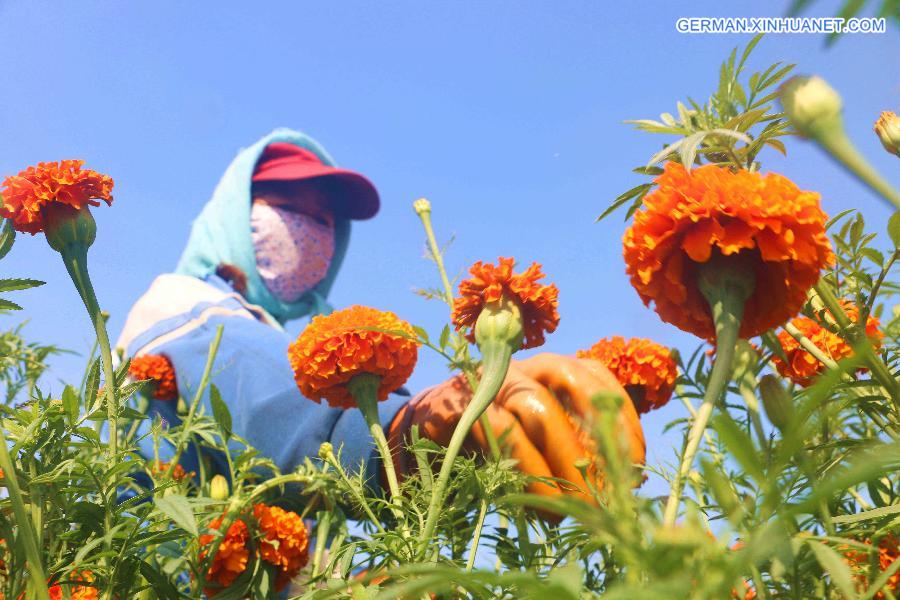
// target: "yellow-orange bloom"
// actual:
[[888, 552], [284, 542], [231, 559], [645, 369], [335, 348], [63, 182], [489, 283], [801, 367], [77, 592], [711, 210], [159, 369]]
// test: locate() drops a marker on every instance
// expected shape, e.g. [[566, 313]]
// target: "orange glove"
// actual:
[[536, 417]]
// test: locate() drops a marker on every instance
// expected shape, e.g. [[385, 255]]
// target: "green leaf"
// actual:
[[7, 236], [637, 191], [178, 509], [10, 285], [835, 566], [159, 582], [875, 513], [70, 402], [445, 337], [894, 228], [220, 411], [7, 305]]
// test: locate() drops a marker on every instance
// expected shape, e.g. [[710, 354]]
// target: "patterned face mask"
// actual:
[[293, 250]]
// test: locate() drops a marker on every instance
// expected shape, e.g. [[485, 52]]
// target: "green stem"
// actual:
[[26, 531], [364, 388], [425, 217], [479, 525], [322, 529], [195, 402], [496, 356], [727, 303], [841, 149], [809, 346], [857, 337], [75, 258]]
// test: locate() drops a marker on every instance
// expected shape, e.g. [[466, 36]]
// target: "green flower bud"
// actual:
[[218, 488], [811, 105], [65, 226], [777, 401], [500, 322], [888, 129]]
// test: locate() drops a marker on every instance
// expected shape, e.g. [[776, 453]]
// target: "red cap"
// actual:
[[354, 196]]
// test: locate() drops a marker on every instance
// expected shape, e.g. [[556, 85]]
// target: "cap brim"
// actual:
[[354, 196]]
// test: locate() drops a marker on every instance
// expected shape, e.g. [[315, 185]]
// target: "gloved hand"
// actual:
[[536, 416]]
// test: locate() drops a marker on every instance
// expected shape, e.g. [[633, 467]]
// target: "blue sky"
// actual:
[[506, 115]]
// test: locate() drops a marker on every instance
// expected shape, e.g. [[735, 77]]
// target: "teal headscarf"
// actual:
[[221, 233]]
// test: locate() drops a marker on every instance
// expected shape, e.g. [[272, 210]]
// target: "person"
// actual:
[[266, 249]]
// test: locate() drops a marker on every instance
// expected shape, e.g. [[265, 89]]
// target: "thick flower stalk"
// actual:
[[54, 198], [802, 367], [159, 370], [814, 109], [502, 312], [284, 542], [724, 255], [231, 558], [645, 369], [355, 358]]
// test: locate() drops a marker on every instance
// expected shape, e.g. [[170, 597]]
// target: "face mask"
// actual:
[[293, 250]]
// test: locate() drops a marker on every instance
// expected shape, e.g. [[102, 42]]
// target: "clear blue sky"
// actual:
[[507, 115]]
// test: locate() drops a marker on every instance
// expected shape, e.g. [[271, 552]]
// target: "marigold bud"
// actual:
[[811, 104], [500, 321], [218, 488], [422, 205], [777, 401], [326, 451], [65, 226], [888, 129]]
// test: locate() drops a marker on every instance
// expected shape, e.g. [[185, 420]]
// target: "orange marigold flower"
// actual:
[[284, 541], [231, 559], [692, 215], [77, 592], [489, 283], [801, 367], [178, 472], [63, 182], [335, 348], [159, 369], [888, 552], [645, 369]]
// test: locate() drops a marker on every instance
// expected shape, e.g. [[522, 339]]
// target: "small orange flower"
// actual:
[[335, 348], [888, 552], [284, 543], [692, 215], [231, 559], [159, 369], [63, 182], [77, 592], [645, 369], [178, 472], [802, 367], [489, 283]]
